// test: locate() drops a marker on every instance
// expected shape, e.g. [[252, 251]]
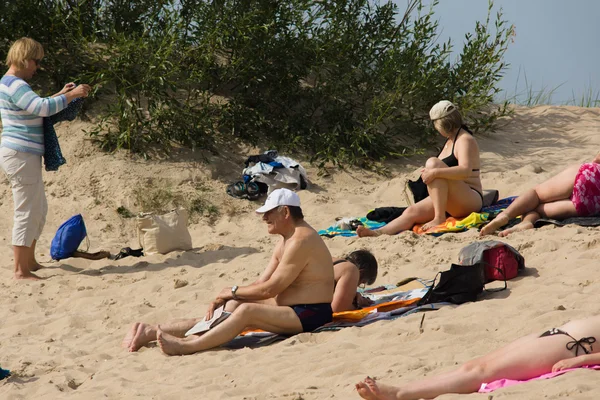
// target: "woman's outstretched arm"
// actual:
[[579, 361]]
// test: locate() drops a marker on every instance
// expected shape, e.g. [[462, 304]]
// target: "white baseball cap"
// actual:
[[441, 110], [280, 197]]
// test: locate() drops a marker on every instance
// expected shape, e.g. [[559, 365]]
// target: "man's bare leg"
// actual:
[[523, 359], [559, 187], [276, 319], [140, 334], [23, 257]]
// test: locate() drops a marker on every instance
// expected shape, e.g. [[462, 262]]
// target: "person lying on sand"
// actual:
[[569, 346], [452, 178], [574, 192], [356, 269], [293, 294]]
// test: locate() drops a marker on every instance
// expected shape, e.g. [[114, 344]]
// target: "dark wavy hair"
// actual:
[[366, 263]]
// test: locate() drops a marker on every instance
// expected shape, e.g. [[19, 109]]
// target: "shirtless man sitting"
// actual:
[[293, 294]]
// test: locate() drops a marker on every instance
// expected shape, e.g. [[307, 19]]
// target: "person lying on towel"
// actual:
[[358, 268], [452, 178], [573, 192], [293, 295], [570, 346]]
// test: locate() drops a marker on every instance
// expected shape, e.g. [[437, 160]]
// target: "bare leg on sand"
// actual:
[[416, 214], [141, 334], [371, 390], [33, 264], [550, 199], [523, 359], [276, 319], [23, 256]]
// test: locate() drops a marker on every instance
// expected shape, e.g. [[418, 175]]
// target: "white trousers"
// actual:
[[24, 171]]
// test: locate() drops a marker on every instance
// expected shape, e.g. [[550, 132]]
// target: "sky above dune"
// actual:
[[555, 44]]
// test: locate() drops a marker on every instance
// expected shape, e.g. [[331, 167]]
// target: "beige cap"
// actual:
[[441, 110]]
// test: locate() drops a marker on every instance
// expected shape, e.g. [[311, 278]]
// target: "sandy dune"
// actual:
[[61, 337]]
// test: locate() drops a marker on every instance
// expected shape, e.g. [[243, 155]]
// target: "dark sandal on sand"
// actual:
[[128, 251], [252, 191], [241, 190]]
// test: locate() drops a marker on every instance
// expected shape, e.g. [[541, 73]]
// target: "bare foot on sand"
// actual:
[[433, 223], [171, 345], [139, 335], [363, 231], [517, 228], [497, 223], [36, 267], [370, 390], [126, 343], [27, 275]]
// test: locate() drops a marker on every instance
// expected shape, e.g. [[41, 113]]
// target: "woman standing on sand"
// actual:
[[22, 147], [452, 178], [557, 349], [574, 192]]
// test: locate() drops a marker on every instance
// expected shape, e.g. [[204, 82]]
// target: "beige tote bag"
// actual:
[[164, 233]]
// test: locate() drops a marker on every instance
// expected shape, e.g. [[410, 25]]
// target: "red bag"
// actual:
[[499, 260], [500, 264]]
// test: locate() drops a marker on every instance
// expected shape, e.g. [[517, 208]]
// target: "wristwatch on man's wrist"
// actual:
[[233, 290]]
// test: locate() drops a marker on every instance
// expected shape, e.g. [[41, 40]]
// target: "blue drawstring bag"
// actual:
[[68, 238]]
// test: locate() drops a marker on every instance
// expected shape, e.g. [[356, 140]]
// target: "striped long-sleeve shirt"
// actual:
[[22, 113]]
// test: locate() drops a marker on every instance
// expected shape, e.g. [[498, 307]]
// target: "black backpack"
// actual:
[[459, 284]]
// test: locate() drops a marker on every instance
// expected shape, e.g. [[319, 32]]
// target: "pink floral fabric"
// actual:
[[586, 190]]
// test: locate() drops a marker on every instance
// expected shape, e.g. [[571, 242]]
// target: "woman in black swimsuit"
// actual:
[[452, 178], [570, 346]]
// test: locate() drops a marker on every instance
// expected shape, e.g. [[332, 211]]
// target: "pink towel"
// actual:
[[502, 383]]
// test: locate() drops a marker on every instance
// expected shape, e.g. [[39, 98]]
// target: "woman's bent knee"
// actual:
[[434, 162]]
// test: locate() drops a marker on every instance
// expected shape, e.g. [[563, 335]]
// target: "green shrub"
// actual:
[[347, 81]]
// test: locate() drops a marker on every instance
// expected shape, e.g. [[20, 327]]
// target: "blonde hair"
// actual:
[[450, 123], [22, 51]]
